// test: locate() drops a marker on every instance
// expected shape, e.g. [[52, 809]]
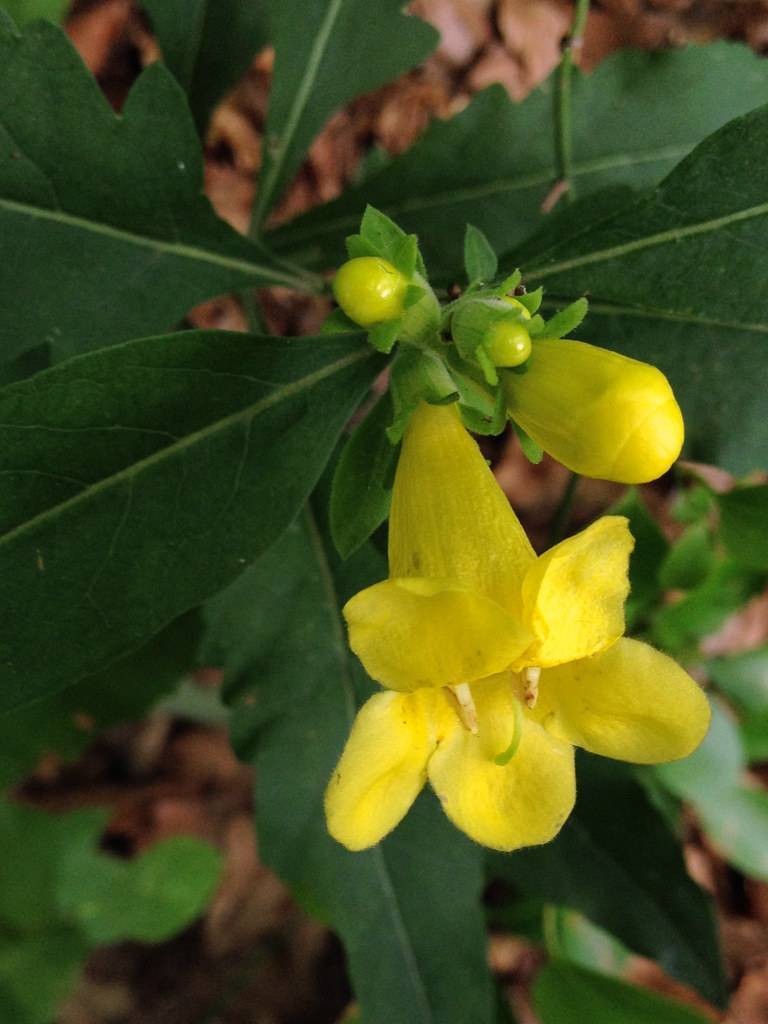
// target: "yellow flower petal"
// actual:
[[382, 769], [450, 519], [522, 803], [631, 703], [574, 594], [411, 633], [598, 412]]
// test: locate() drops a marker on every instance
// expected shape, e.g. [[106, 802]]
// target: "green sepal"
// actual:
[[535, 326], [417, 376], [564, 322], [413, 294], [383, 336], [480, 261], [486, 365], [338, 322], [356, 246], [380, 236], [483, 408], [531, 300], [508, 284], [532, 451]]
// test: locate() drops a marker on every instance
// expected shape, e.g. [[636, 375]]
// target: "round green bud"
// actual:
[[517, 305], [507, 343], [370, 290]]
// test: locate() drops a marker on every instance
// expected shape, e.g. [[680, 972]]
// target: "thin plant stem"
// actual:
[[563, 511], [563, 127], [252, 312]]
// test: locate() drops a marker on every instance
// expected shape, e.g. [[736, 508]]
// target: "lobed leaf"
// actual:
[[104, 231]]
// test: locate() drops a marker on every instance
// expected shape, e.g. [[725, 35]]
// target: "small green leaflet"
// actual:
[[480, 262]]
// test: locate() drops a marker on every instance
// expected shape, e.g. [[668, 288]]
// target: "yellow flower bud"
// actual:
[[599, 413], [507, 343], [370, 290]]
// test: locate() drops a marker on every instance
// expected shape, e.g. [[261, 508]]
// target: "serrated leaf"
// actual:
[[618, 863], [622, 134], [403, 909], [104, 232], [744, 525], [139, 480], [208, 45], [480, 262], [362, 482], [326, 54], [660, 275], [565, 993]]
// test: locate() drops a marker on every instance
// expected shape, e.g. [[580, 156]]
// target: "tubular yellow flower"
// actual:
[[495, 662], [599, 413]]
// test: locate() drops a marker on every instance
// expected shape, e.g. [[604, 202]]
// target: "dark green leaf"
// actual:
[[66, 722], [406, 909], [650, 549], [744, 525], [104, 232], [689, 560], [362, 482], [494, 165], [618, 863], [38, 971], [326, 54], [139, 480], [660, 275], [480, 263], [724, 590], [208, 45], [23, 11], [564, 993]]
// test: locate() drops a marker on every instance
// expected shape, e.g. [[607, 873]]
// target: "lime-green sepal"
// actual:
[[417, 376], [563, 322], [383, 336]]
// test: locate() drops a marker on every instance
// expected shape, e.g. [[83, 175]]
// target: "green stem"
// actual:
[[563, 128], [252, 312], [562, 514]]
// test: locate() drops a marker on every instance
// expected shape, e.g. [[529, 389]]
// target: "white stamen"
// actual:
[[531, 678], [467, 709]]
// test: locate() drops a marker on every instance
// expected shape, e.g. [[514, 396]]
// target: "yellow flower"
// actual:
[[495, 662], [599, 413]]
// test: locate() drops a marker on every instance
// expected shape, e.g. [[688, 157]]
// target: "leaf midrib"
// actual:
[[142, 241], [135, 468], [518, 183], [382, 870], [659, 238], [265, 196]]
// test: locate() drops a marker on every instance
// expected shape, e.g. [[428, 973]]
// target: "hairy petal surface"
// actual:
[[412, 633], [383, 767], [574, 594], [522, 803], [599, 413], [631, 702], [449, 517]]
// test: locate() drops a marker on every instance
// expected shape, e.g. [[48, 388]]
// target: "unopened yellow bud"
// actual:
[[507, 343], [370, 290], [599, 413]]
